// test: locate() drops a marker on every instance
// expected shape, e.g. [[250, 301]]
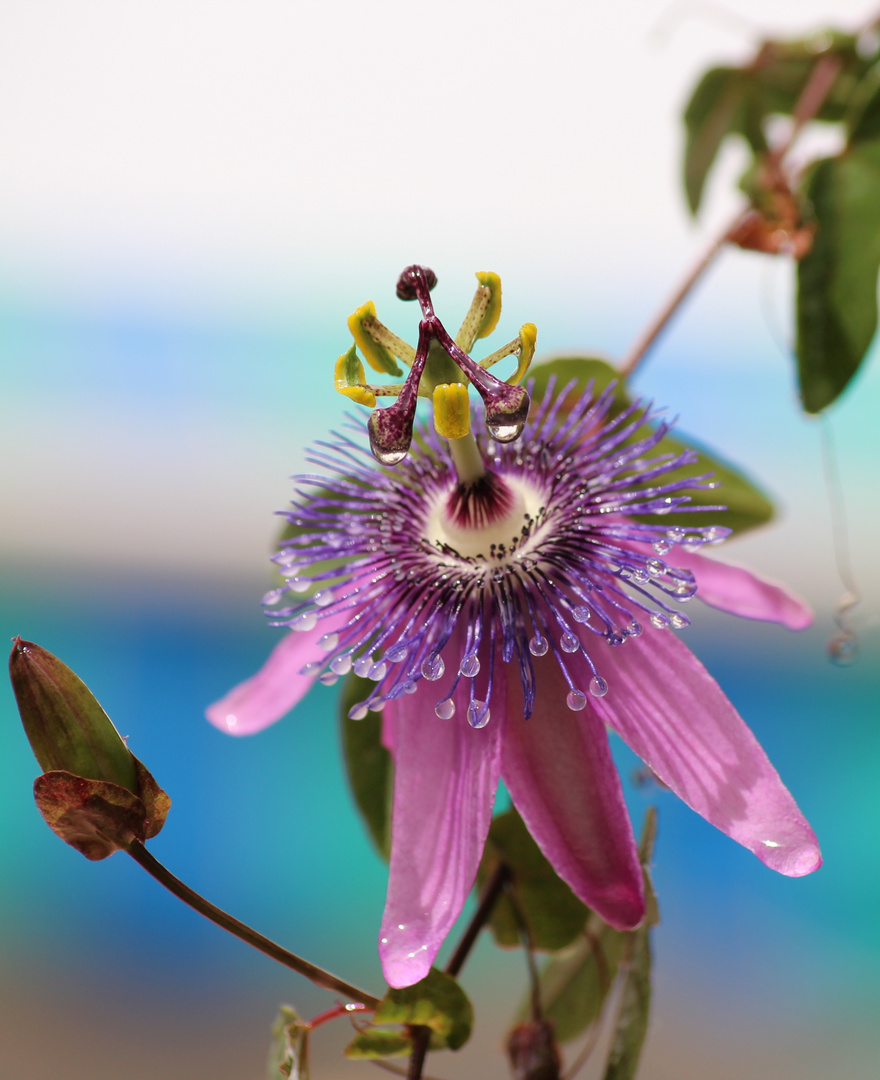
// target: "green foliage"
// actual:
[[574, 986], [746, 506], [737, 101], [837, 281], [289, 1052], [369, 765], [437, 1002], [553, 914]]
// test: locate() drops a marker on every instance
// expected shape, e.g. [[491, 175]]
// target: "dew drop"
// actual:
[[634, 629], [470, 666], [445, 709], [328, 678], [307, 621], [378, 671], [311, 668], [661, 547], [409, 687], [505, 432], [376, 704], [362, 666], [273, 596], [433, 668], [675, 534], [389, 457], [679, 621], [396, 653], [581, 614], [538, 646], [569, 643], [659, 620], [683, 593], [323, 598], [299, 584], [576, 700], [358, 712], [341, 665], [328, 642], [598, 686], [478, 714], [655, 567], [641, 576]]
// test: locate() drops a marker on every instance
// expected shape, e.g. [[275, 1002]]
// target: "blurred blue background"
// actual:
[[193, 198]]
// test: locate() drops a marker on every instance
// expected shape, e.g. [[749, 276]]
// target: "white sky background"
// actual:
[[220, 184]]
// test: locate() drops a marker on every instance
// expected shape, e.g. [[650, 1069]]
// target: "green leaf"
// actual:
[[709, 116], [635, 1005], [369, 765], [635, 994], [837, 280], [747, 506], [576, 984], [289, 1052], [437, 1002], [552, 912]]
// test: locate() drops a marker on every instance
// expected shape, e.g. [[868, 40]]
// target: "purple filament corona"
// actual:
[[403, 601]]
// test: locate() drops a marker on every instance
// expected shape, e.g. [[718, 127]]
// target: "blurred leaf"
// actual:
[[289, 1053], [369, 765], [635, 993], [552, 912], [635, 1005], [747, 506], [576, 984], [837, 281], [864, 115], [708, 117], [437, 1002]]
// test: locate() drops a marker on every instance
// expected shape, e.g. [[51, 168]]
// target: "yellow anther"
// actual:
[[452, 414], [377, 356], [528, 335], [349, 378], [492, 314]]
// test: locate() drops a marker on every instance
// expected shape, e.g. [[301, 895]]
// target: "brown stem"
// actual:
[[488, 900], [198, 903], [655, 328], [529, 948], [814, 93], [421, 1038]]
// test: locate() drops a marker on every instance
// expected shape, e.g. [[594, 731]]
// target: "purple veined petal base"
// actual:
[[674, 715], [446, 776], [558, 768]]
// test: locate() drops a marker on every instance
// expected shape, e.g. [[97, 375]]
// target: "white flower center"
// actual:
[[472, 540]]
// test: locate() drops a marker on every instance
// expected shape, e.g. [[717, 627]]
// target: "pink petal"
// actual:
[[741, 591], [267, 696], [669, 709], [446, 774], [557, 766]]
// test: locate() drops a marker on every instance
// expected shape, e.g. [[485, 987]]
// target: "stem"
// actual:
[[814, 93], [654, 329], [183, 892], [421, 1039], [488, 900], [529, 948]]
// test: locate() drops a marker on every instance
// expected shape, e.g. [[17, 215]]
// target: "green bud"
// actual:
[[65, 725], [94, 793]]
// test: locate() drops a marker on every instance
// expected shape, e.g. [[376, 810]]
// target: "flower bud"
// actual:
[[94, 793], [65, 725]]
